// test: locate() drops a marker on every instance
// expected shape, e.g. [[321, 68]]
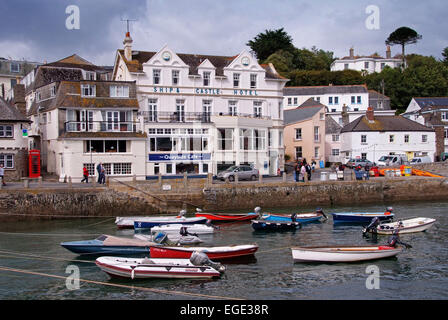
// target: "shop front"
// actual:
[[176, 164]]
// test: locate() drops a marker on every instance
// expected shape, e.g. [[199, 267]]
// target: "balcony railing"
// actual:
[[102, 126], [205, 117]]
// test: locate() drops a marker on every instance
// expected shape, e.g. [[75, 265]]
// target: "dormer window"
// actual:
[[206, 79], [119, 91], [90, 75], [14, 67], [88, 90]]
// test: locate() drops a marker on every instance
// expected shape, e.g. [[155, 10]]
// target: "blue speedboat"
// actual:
[[275, 225], [106, 244], [299, 217], [361, 217]]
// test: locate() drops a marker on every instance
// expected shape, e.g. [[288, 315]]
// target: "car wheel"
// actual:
[[231, 178], [253, 177]]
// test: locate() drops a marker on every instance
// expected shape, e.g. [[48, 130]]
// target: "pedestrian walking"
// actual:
[[103, 175], [297, 171], [302, 173], [98, 169], [308, 171], [2, 174], [85, 174]]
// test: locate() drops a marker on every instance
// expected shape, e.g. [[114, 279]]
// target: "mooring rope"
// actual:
[[3, 268]]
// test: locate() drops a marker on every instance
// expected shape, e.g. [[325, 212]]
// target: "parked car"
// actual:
[[243, 172], [394, 159], [422, 159], [353, 163]]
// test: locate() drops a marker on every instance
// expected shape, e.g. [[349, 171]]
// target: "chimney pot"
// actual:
[[388, 53], [352, 53]]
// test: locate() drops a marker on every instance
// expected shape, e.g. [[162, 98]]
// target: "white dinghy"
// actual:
[[191, 228], [403, 226], [197, 267], [343, 253]]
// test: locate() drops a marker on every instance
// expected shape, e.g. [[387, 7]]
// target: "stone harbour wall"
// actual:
[[325, 193], [70, 203]]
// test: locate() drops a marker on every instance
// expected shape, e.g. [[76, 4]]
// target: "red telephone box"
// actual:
[[34, 163]]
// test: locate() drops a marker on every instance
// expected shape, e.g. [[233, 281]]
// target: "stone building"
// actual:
[[13, 139], [12, 72]]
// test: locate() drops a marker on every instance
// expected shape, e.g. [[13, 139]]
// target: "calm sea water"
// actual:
[[418, 273]]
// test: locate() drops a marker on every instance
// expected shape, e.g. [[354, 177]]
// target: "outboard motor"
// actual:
[[198, 210], [199, 258], [390, 209], [373, 225], [293, 217], [182, 213], [257, 210], [320, 211]]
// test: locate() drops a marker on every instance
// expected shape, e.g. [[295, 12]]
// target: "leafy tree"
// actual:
[[445, 56], [403, 36], [282, 61], [265, 44]]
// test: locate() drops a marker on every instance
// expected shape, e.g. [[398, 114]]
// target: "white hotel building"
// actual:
[[205, 113]]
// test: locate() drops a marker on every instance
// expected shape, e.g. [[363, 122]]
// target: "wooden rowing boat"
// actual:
[[214, 253], [343, 253]]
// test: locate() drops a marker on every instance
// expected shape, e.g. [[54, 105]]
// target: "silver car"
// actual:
[[243, 172]]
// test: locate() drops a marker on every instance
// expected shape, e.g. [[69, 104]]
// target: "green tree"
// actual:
[[445, 56], [282, 61], [403, 36], [265, 44]]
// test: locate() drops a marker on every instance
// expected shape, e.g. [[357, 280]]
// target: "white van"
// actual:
[[393, 159], [422, 159]]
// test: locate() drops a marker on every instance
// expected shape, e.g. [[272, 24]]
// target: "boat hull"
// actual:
[[139, 225], [302, 218], [191, 228], [227, 217], [343, 254], [100, 250], [264, 225], [162, 268], [128, 222], [359, 217], [213, 253], [419, 226]]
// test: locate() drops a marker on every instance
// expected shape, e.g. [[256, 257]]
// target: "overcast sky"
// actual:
[[36, 29]]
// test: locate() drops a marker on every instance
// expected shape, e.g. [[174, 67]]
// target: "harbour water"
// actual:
[[418, 273]]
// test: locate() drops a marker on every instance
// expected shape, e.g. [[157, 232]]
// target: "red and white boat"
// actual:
[[155, 268], [213, 253], [223, 217]]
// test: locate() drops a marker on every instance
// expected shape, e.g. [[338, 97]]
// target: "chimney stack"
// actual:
[[128, 46], [388, 53], [352, 53], [370, 114], [344, 114], [19, 98]]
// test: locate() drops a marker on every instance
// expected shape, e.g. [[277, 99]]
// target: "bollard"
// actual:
[[159, 179], [260, 178], [40, 181], [210, 178], [1, 183], [107, 182], [284, 176], [70, 185], [134, 178], [236, 179], [26, 183]]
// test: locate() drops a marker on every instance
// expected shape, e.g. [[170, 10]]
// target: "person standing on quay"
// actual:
[[98, 169], [2, 174], [103, 175], [85, 174]]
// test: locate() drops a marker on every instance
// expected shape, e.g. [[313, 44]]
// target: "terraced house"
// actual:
[[204, 113], [84, 122]]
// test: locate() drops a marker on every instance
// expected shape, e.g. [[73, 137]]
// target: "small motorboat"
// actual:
[[149, 222], [214, 253], [226, 217], [169, 240], [362, 217], [197, 267], [403, 226], [106, 244], [343, 253], [190, 228], [275, 225], [299, 217]]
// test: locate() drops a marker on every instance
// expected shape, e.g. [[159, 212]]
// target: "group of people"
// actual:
[[303, 169], [101, 174]]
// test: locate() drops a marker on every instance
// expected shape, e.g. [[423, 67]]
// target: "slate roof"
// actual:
[[384, 123], [331, 126], [192, 60], [320, 90], [432, 102], [305, 111], [11, 113]]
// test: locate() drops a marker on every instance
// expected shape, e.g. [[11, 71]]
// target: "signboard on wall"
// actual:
[[158, 157]]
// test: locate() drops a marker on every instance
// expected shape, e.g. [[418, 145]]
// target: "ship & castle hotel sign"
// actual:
[[207, 91]]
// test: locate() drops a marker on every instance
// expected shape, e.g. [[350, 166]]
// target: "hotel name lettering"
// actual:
[[208, 91]]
